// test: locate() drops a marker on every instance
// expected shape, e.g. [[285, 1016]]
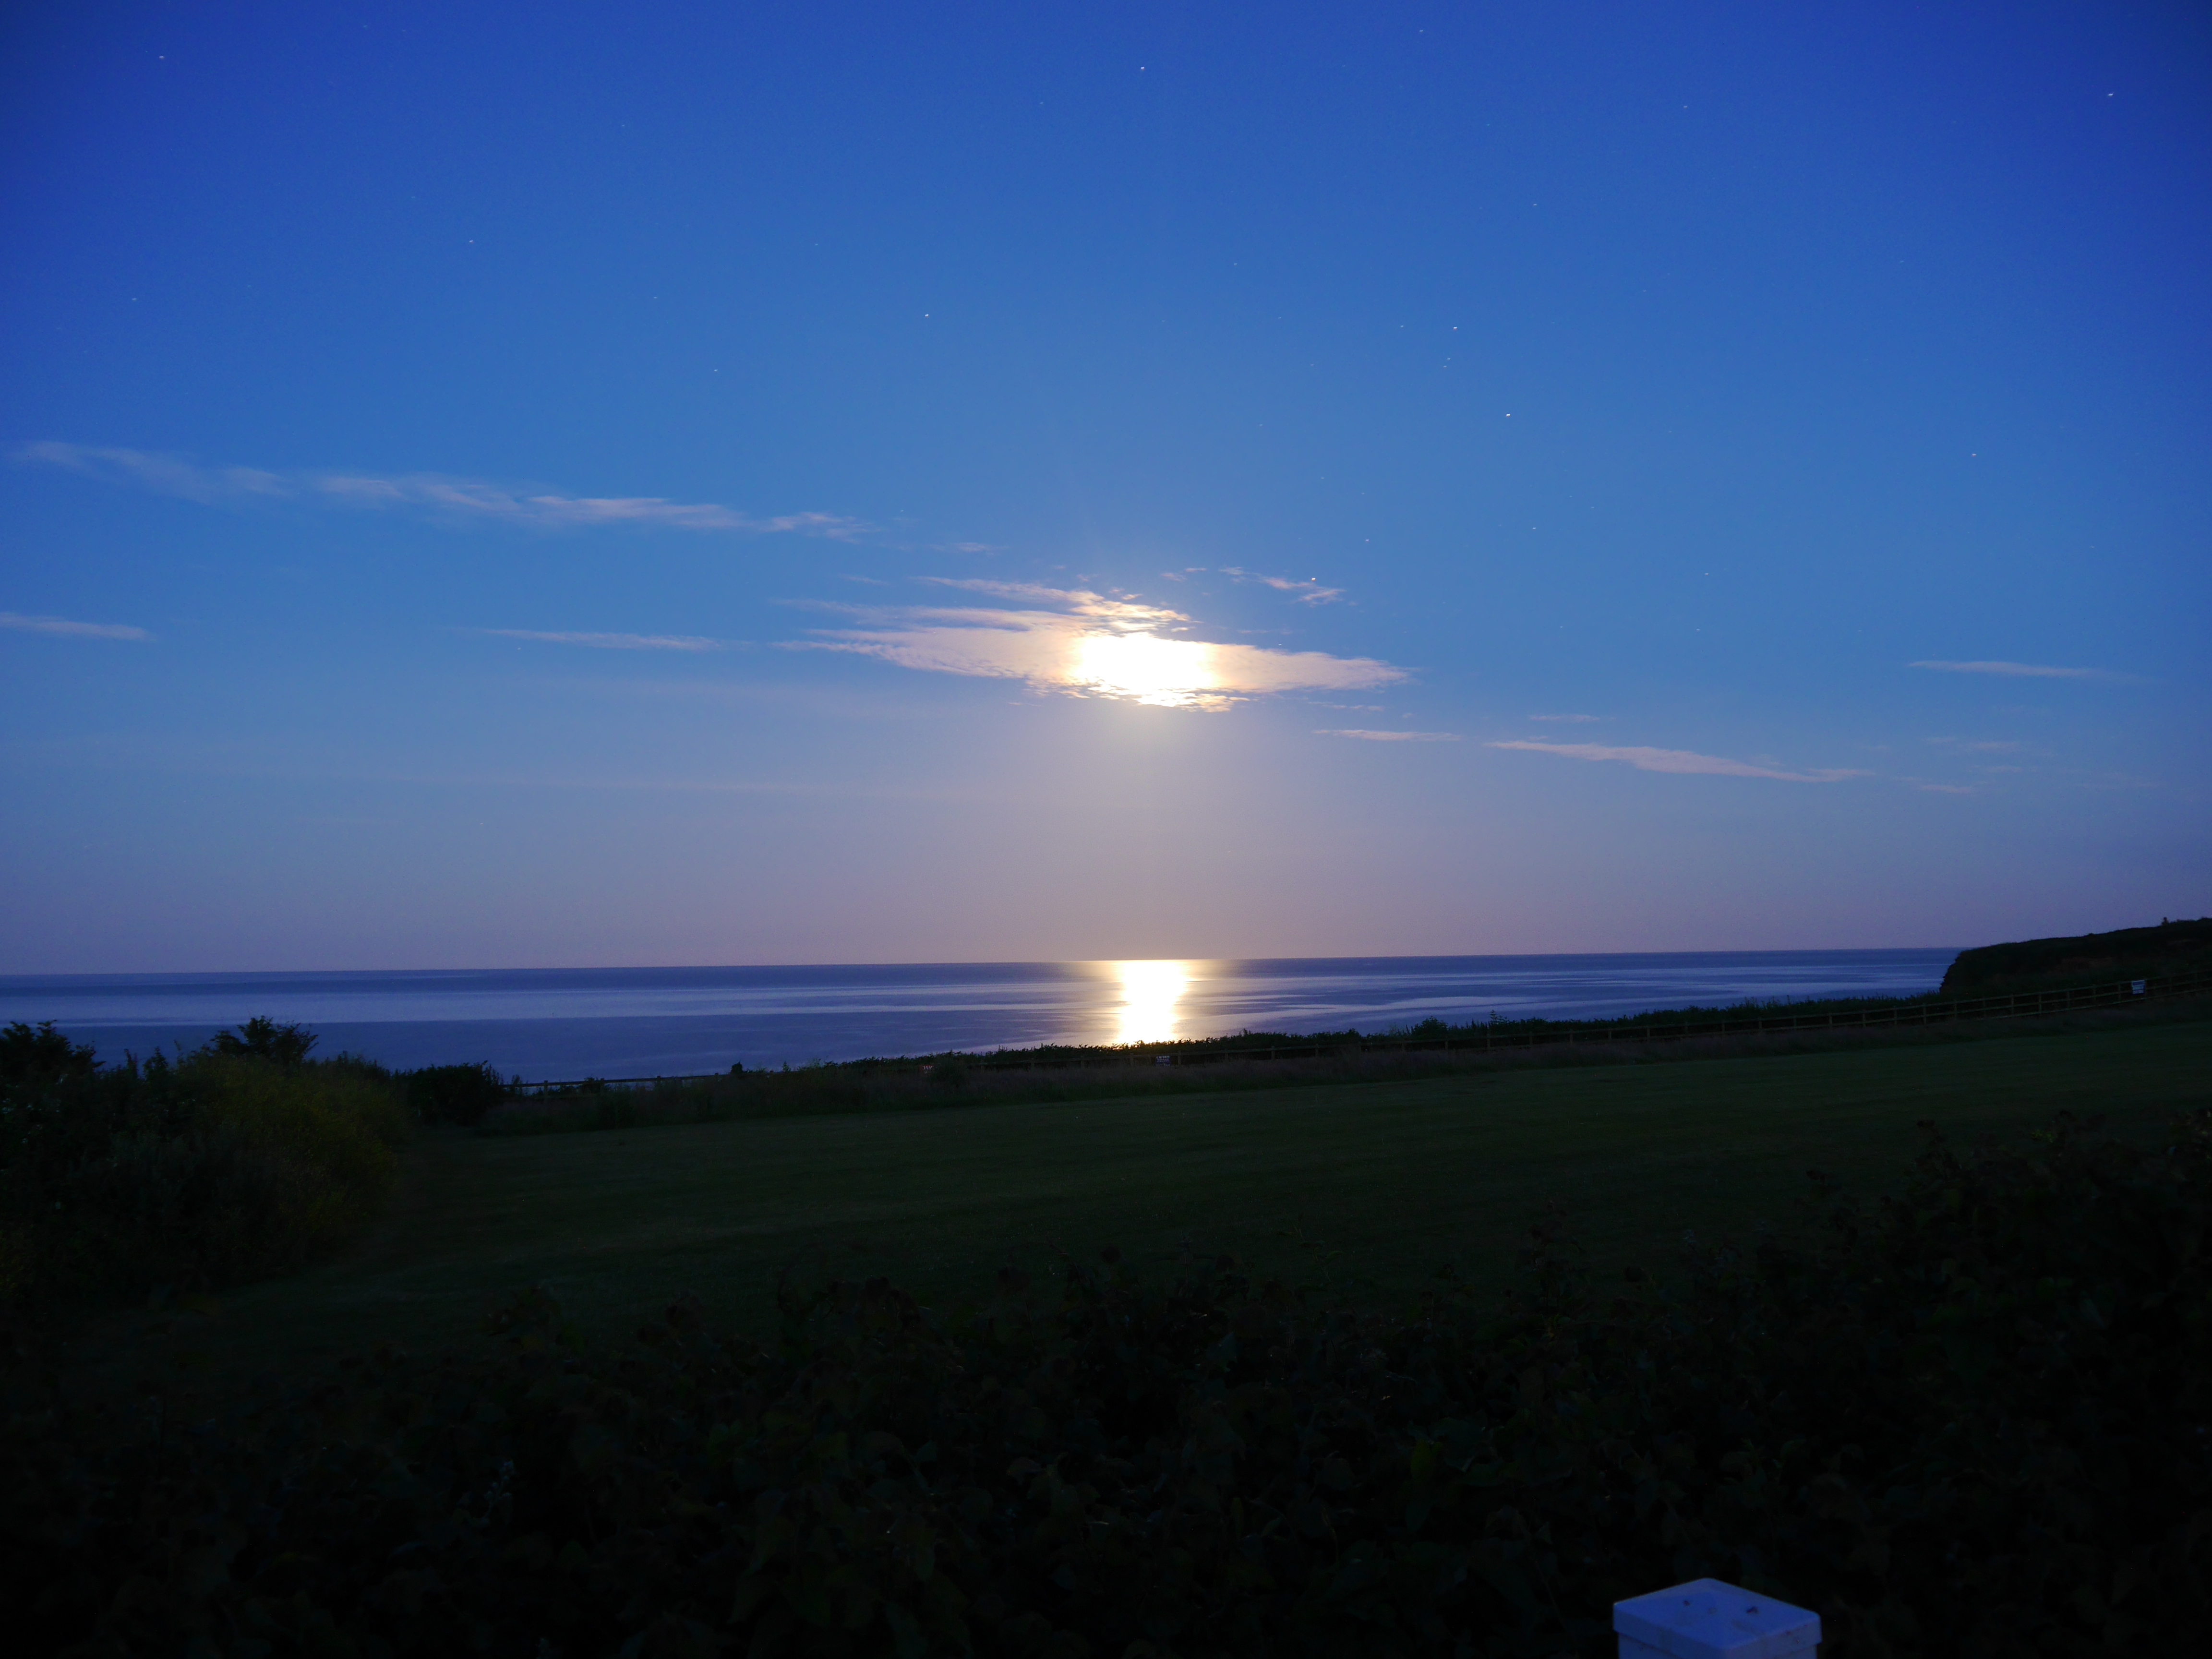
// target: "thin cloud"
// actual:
[[1308, 592], [1075, 643], [1392, 737], [1678, 760], [608, 641], [422, 492], [62, 628], [2023, 671], [169, 475], [1081, 601], [1566, 720]]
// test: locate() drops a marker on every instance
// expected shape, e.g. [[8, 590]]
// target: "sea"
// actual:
[[548, 1024]]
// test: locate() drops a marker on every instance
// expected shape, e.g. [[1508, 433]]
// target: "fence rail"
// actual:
[[2025, 1004]]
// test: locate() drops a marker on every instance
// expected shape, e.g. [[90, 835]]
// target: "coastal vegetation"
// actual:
[[1236, 1065], [1391, 1177], [888, 1397], [177, 1176], [2040, 979], [1964, 1420], [2174, 947]]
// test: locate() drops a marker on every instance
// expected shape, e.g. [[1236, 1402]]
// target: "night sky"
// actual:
[[554, 484]]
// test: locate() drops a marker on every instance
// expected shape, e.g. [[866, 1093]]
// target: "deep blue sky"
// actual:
[[560, 484]]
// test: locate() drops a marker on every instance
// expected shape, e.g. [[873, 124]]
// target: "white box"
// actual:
[[1705, 1618]]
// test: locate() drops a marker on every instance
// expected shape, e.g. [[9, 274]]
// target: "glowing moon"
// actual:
[[1145, 668]]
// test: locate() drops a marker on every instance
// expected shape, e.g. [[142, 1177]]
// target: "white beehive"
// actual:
[[1705, 1618]]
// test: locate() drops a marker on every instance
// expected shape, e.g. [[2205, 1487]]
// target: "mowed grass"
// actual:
[[1396, 1178]]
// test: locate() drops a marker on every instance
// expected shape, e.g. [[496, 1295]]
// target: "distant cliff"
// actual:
[[2172, 947]]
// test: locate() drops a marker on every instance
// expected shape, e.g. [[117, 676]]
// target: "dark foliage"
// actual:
[[264, 1039], [1973, 1421], [39, 1054], [2176, 946], [180, 1175], [454, 1094]]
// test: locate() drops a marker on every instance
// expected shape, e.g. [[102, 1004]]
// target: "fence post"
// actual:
[[1706, 1619]]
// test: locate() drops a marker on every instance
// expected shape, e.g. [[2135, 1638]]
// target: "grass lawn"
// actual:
[[1397, 1177]]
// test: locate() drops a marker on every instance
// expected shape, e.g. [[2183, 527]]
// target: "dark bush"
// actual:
[[360, 1066], [190, 1173], [38, 1054], [1971, 1422], [264, 1039], [454, 1094], [2174, 948]]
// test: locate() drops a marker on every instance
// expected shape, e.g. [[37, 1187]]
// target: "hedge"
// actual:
[[1971, 1419]]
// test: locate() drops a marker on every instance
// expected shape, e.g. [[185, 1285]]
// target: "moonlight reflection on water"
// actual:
[[644, 1022], [1152, 993]]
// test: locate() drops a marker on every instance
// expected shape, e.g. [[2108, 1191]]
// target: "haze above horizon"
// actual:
[[549, 487]]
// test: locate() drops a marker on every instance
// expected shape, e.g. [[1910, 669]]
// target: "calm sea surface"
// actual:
[[633, 1022]]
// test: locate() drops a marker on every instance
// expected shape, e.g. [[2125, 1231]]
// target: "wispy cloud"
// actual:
[[426, 493], [169, 475], [1079, 643], [1308, 592], [1392, 737], [1678, 760], [1122, 611], [62, 628], [608, 641], [2024, 671], [1566, 720]]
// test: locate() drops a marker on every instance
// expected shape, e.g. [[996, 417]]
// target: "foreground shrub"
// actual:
[[29, 1052], [1973, 1421], [454, 1094], [187, 1174], [287, 1046]]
